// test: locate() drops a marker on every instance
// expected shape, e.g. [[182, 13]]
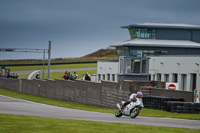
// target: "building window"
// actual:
[[183, 81], [154, 77], [108, 77], [121, 66], [135, 66], [144, 66], [142, 33], [99, 77], [128, 66], [159, 76], [193, 81], [175, 78], [104, 77], [113, 77], [166, 77], [132, 65], [145, 53]]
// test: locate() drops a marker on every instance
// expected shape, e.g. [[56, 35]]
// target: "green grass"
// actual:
[[30, 124], [144, 112], [59, 75], [40, 67]]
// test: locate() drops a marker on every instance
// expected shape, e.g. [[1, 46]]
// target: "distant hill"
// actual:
[[102, 54]]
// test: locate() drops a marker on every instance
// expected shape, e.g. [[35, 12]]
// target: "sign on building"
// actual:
[[171, 86]]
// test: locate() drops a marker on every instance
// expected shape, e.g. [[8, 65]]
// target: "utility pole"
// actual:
[[49, 60], [43, 64]]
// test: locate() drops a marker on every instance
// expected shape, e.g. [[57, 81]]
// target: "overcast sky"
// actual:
[[80, 27]]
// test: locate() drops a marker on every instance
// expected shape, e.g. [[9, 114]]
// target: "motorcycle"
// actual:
[[132, 109]]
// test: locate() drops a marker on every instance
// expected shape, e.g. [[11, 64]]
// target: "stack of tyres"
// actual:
[[170, 104], [195, 108], [158, 103], [167, 106], [147, 102], [153, 102], [180, 109], [174, 106], [162, 105], [187, 107], [178, 99]]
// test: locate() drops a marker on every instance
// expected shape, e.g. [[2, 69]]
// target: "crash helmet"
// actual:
[[139, 94]]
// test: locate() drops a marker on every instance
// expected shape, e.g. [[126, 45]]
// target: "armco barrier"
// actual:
[[104, 94]]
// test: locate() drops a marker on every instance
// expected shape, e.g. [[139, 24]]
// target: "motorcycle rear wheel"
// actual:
[[134, 112], [118, 113]]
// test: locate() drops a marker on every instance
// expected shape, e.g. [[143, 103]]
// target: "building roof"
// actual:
[[158, 43], [162, 25]]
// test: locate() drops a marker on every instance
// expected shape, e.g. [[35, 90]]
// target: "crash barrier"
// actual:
[[170, 104], [104, 94]]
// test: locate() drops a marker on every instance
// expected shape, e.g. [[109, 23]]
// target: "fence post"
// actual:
[[20, 85]]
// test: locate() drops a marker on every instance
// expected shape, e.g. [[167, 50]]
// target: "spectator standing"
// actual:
[[83, 77], [70, 76], [75, 76], [87, 76]]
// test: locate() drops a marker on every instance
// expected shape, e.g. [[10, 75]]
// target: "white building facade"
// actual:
[[107, 70], [179, 69], [184, 70]]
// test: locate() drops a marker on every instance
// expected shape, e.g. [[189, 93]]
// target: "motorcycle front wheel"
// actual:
[[134, 112], [118, 113]]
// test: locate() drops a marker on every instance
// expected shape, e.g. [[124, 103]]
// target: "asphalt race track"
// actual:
[[22, 107]]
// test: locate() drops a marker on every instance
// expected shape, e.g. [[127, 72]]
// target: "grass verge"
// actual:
[[30, 124], [40, 67], [59, 75], [74, 105]]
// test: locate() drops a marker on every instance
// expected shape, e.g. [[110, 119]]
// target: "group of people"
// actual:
[[12, 75], [69, 76], [86, 76]]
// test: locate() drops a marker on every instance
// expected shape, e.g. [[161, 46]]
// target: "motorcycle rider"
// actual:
[[133, 97]]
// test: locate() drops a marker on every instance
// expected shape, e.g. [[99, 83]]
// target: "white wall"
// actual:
[[164, 65], [180, 65], [107, 68]]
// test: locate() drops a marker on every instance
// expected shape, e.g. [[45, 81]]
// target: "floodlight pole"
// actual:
[[49, 60], [43, 63]]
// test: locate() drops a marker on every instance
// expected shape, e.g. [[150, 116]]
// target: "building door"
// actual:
[[193, 81], [183, 81], [175, 78]]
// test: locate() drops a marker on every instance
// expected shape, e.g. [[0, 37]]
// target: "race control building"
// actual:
[[157, 52]]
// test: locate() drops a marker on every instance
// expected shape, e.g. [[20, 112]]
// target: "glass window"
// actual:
[[121, 66], [166, 77], [175, 78], [104, 77], [144, 33], [136, 53], [135, 66], [144, 66], [183, 81], [108, 77], [128, 66], [159, 76], [99, 77], [113, 77]]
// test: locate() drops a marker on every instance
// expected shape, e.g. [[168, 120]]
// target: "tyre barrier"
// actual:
[[170, 104]]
